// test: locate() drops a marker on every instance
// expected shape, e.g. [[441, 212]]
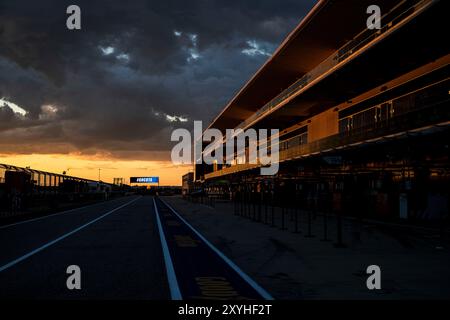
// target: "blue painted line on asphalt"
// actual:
[[171, 276], [261, 291], [48, 244]]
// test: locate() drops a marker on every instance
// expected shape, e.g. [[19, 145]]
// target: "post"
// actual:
[[296, 230], [283, 209], [254, 205], [241, 203], [309, 235], [265, 207], [440, 245], [339, 243], [273, 210], [259, 205], [325, 226]]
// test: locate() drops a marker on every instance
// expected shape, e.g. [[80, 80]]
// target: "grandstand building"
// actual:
[[363, 114]]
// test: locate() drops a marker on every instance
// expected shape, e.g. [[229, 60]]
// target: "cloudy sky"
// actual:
[[115, 90]]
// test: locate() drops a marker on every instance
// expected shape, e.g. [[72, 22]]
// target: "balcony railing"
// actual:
[[362, 40], [434, 113]]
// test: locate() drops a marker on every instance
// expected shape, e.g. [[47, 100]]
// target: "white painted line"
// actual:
[[170, 270], [48, 244], [52, 215], [243, 275]]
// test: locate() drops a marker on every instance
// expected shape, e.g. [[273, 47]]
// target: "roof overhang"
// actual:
[[321, 32]]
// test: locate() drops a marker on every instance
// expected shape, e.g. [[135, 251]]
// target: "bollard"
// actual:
[[309, 235], [249, 206], [265, 209], [296, 230], [339, 243], [244, 205], [440, 245], [259, 207], [273, 214], [254, 207], [282, 218], [325, 227]]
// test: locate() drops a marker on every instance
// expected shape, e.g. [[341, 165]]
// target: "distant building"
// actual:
[[118, 181], [187, 183]]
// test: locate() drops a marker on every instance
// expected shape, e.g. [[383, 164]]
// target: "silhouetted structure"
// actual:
[[29, 191], [363, 114]]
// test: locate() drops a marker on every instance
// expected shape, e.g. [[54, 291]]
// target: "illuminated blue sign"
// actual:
[[144, 180]]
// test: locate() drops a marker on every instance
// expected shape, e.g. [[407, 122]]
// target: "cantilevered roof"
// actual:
[[326, 28]]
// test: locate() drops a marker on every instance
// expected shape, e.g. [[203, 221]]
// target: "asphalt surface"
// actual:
[[119, 254], [200, 270], [129, 248]]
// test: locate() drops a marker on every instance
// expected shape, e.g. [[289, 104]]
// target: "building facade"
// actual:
[[363, 114]]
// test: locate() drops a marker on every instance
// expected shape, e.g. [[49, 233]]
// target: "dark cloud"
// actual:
[[110, 87]]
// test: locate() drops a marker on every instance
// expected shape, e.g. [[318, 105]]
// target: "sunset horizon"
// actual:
[[87, 167]]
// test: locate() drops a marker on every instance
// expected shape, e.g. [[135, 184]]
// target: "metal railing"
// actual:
[[431, 114], [362, 40], [428, 116], [230, 170]]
